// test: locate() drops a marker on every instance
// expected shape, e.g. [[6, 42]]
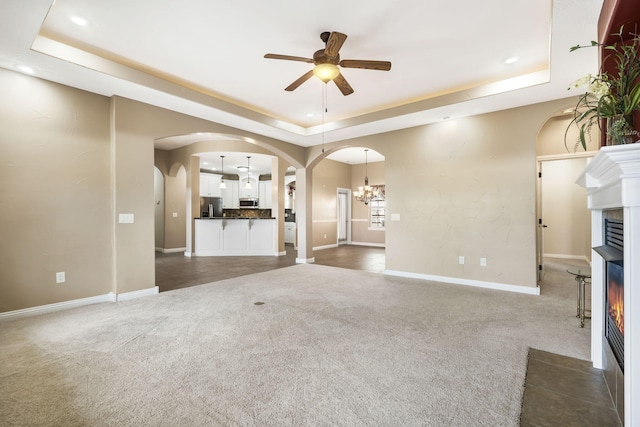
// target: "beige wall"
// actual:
[[327, 177], [55, 202], [360, 232], [464, 187], [158, 196], [461, 187], [175, 226]]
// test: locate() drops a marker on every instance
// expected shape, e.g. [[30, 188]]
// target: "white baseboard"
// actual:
[[467, 282], [64, 305], [50, 308], [305, 260], [377, 245], [137, 294], [234, 253], [170, 250], [565, 256], [319, 248], [283, 253]]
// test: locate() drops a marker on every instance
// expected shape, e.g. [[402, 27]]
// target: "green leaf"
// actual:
[[582, 138], [634, 100]]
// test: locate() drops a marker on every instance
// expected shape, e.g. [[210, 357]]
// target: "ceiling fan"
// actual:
[[327, 61]]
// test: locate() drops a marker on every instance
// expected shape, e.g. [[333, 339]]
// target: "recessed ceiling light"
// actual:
[[512, 60], [309, 114], [25, 69], [79, 20]]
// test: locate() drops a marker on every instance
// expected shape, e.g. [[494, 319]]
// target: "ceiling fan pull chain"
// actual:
[[324, 110]]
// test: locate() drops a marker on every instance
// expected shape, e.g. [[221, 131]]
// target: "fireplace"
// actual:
[[612, 180], [614, 314], [613, 253]]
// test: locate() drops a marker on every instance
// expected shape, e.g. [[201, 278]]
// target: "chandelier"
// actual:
[[367, 193]]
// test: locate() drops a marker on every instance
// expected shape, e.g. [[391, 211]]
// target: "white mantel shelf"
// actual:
[[612, 180]]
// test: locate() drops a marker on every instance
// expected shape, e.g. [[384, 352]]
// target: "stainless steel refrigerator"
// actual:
[[210, 207]]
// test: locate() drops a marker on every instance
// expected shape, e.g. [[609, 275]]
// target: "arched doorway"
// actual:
[[564, 228]]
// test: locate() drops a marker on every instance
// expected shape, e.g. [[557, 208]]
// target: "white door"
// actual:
[[563, 221], [344, 212]]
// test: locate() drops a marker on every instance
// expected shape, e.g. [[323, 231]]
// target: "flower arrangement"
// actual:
[[612, 96]]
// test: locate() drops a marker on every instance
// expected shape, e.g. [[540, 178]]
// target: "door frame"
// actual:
[[347, 193], [540, 225]]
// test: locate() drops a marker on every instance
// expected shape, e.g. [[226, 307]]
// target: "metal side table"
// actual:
[[582, 274]]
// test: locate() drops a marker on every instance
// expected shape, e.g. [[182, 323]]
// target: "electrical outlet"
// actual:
[[60, 277], [325, 235], [175, 214], [483, 262], [461, 260]]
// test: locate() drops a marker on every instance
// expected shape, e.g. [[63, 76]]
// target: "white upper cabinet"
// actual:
[[230, 194], [209, 185], [265, 195], [248, 192]]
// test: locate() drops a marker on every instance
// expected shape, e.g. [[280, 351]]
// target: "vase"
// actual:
[[620, 130]]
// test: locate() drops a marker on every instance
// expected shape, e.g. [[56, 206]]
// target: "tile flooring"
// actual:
[[563, 391], [559, 391], [174, 270]]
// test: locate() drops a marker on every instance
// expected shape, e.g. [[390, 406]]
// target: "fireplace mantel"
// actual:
[[612, 180]]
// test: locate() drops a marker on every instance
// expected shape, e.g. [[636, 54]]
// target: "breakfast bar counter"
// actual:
[[231, 236]]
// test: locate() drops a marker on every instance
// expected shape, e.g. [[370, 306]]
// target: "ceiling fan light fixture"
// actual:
[[326, 72]]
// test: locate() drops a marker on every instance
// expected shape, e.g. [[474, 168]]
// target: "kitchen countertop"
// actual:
[[232, 217]]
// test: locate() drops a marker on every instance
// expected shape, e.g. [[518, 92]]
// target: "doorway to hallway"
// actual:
[[344, 214]]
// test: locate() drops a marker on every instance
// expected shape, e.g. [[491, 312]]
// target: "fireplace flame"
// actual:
[[615, 298]]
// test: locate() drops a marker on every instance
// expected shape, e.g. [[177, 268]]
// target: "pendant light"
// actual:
[[223, 185], [248, 185]]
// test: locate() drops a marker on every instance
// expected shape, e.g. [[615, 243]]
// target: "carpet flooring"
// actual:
[[323, 346]]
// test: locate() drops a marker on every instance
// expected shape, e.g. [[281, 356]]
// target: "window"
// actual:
[[376, 214]]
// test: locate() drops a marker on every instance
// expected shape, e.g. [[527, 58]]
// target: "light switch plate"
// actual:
[[395, 217], [461, 260], [125, 218]]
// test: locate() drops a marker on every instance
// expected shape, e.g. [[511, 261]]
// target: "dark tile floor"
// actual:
[[563, 391], [174, 270], [559, 391]]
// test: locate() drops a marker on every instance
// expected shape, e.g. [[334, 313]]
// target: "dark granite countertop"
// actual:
[[232, 217]]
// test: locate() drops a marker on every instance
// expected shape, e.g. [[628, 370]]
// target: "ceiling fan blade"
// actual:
[[368, 65], [306, 76], [335, 42], [343, 85], [288, 58]]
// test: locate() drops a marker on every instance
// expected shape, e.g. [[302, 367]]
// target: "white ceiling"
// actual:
[[205, 58]]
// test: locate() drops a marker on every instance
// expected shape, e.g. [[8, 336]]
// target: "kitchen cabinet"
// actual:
[[265, 195], [210, 185], [290, 232], [249, 192], [235, 237], [230, 194]]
